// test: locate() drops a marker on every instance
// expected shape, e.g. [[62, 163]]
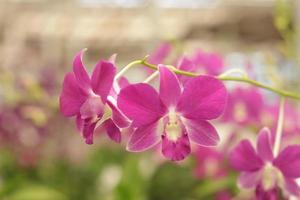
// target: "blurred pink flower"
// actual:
[[87, 98], [245, 106], [160, 54], [211, 62], [261, 170], [291, 125], [209, 162], [172, 116]]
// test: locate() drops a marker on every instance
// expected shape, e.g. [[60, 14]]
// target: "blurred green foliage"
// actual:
[[62, 180]]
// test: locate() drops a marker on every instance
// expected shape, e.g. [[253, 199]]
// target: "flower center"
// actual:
[[271, 176], [173, 126], [240, 111]]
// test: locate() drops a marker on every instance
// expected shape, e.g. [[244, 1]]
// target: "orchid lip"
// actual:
[[173, 125], [271, 176]]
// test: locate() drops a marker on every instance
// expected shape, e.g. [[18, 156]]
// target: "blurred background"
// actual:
[[42, 155]]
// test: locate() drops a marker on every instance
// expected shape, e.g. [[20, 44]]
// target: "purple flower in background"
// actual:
[[245, 106], [261, 170], [202, 63], [212, 63], [160, 54], [174, 116], [291, 124], [88, 99], [209, 163], [185, 64]]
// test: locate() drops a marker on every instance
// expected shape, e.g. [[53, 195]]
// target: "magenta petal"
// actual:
[[169, 90], [262, 194], [176, 150], [203, 97], [140, 103], [87, 129], [263, 146], [249, 179], [202, 132], [102, 78], [80, 72], [118, 117], [244, 158], [123, 82], [292, 187], [160, 53], [112, 130], [72, 97], [144, 138], [92, 107], [288, 161], [186, 65]]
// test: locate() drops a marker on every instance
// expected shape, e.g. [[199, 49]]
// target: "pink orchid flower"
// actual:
[[175, 115], [160, 54], [209, 163], [186, 64], [202, 63], [88, 98], [212, 62], [264, 171], [244, 106]]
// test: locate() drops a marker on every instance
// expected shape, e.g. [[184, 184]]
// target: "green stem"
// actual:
[[283, 93], [279, 127]]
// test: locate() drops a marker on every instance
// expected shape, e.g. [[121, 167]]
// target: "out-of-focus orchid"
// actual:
[[210, 62], [264, 171], [291, 115], [186, 64], [175, 115], [160, 54], [210, 163], [245, 106], [88, 98]]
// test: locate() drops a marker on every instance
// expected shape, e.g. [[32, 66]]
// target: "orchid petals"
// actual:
[[72, 96], [202, 132], [244, 158], [288, 161], [263, 146], [203, 98], [249, 179], [112, 130], [144, 137], [141, 103], [80, 72], [292, 187], [169, 90], [92, 107], [102, 79], [176, 150], [117, 116]]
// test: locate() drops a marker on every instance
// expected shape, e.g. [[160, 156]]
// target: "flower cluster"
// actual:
[[177, 116], [88, 98], [263, 170]]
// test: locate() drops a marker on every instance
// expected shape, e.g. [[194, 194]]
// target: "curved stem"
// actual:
[[283, 93], [279, 127], [232, 71], [126, 68], [151, 77]]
